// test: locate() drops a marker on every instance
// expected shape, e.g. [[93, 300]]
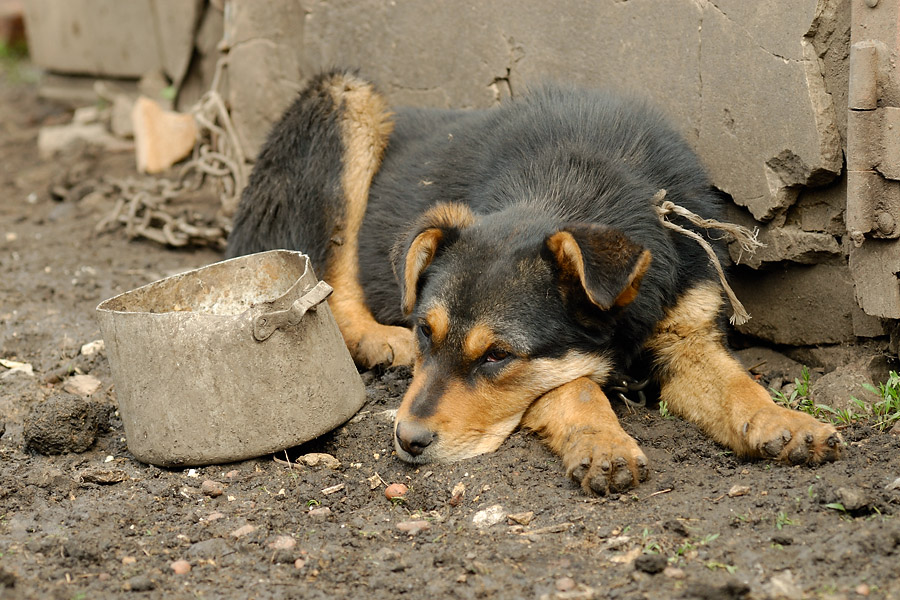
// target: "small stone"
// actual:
[[56, 138], [413, 527], [82, 385], [320, 459], [283, 542], [102, 476], [395, 490], [523, 518], [852, 498], [242, 531], [214, 516], [128, 560], [651, 563], [457, 494], [211, 488], [738, 490], [321, 512], [489, 516], [161, 137], [894, 485], [299, 563], [782, 587], [674, 573], [565, 584], [180, 567], [92, 348], [863, 589], [232, 474], [139, 583]]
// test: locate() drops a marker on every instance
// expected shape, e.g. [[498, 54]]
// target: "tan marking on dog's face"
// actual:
[[438, 319], [478, 340], [474, 415]]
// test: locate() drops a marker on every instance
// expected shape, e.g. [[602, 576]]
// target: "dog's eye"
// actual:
[[495, 355], [425, 331]]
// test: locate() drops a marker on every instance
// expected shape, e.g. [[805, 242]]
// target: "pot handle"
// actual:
[[264, 325]]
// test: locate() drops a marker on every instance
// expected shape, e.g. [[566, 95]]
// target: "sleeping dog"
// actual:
[[515, 258]]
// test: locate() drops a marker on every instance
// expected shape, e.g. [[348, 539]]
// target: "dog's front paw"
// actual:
[[791, 436], [605, 462], [385, 345]]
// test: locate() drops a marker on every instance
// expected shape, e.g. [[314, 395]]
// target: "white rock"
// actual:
[[92, 348], [82, 385], [489, 516]]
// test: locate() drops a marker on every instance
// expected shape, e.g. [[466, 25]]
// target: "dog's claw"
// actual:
[[792, 437], [608, 465]]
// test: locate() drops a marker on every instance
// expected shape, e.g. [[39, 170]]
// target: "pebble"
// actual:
[[180, 567], [674, 573], [321, 512], [894, 485], [320, 459], [139, 583], [92, 348], [852, 498], [214, 516], [738, 490], [242, 531], [782, 586], [299, 563], [211, 488], [565, 584], [521, 518], [489, 516], [413, 527], [457, 494], [283, 542], [82, 385], [863, 589], [395, 490], [102, 476], [651, 563], [128, 560]]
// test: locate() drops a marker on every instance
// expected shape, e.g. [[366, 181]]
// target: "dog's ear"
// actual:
[[602, 261], [437, 228]]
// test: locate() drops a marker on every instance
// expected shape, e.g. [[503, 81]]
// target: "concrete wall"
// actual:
[[759, 88]]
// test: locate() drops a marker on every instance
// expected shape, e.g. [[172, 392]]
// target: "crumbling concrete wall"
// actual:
[[758, 88]]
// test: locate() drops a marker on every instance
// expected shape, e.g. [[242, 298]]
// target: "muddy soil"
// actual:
[[99, 524]]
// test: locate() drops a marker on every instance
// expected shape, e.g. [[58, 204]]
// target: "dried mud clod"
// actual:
[[65, 423]]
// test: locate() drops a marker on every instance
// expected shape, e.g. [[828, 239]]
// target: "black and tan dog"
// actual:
[[514, 257]]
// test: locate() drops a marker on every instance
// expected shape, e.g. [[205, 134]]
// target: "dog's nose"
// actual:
[[414, 437]]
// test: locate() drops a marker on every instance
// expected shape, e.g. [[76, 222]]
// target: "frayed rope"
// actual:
[[745, 238]]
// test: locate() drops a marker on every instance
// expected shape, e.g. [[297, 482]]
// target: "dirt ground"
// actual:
[[99, 524]]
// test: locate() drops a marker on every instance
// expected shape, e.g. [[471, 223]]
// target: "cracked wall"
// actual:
[[758, 88]]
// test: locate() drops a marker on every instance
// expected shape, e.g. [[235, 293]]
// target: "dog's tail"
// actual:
[[309, 187]]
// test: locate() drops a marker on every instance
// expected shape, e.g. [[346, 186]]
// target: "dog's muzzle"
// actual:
[[413, 437]]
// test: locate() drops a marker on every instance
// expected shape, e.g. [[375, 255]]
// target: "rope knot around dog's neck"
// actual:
[[746, 239]]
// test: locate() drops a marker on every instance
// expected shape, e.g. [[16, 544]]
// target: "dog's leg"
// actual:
[[577, 422], [365, 128], [704, 384]]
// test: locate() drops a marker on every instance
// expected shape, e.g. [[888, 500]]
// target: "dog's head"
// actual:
[[506, 307]]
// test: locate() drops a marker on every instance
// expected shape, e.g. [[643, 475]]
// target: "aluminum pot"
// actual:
[[230, 361]]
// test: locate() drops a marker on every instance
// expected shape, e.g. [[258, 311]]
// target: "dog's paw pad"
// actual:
[[792, 437], [385, 345], [608, 466]]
